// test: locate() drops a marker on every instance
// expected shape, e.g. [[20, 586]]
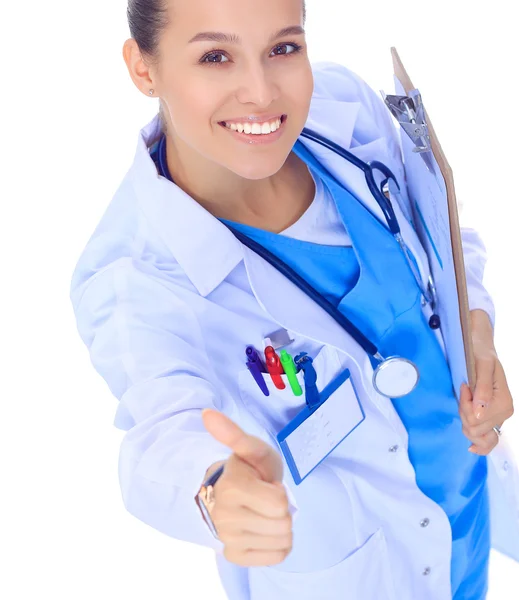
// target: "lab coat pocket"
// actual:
[[364, 573], [281, 406]]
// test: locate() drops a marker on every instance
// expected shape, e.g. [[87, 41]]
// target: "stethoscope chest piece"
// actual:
[[395, 377]]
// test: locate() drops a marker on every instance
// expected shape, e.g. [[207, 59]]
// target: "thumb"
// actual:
[[251, 449]]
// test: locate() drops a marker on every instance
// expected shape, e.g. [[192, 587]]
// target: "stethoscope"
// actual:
[[394, 376]]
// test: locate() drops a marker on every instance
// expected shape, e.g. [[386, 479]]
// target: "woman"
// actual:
[[168, 299]]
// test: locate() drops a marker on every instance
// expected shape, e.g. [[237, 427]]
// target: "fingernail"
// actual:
[[472, 450]]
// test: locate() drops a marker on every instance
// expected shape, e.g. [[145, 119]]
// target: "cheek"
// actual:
[[193, 107], [297, 92]]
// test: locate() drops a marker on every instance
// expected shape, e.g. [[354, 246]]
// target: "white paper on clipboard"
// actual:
[[435, 216]]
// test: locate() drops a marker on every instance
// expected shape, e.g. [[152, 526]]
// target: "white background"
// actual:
[[70, 121]]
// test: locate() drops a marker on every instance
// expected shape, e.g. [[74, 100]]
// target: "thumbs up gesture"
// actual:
[[250, 512]]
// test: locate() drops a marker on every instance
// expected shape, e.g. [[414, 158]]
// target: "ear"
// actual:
[[140, 72]]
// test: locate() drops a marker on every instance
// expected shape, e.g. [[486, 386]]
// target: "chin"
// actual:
[[256, 171]]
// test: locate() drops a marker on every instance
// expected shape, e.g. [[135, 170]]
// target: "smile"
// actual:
[[256, 132], [256, 128]]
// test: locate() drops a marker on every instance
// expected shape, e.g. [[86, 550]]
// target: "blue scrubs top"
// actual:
[[371, 283]]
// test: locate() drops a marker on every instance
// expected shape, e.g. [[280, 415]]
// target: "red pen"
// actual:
[[274, 367]]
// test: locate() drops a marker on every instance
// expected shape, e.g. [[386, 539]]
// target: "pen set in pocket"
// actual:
[[283, 364]]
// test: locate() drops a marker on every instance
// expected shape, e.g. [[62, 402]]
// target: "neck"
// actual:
[[273, 203]]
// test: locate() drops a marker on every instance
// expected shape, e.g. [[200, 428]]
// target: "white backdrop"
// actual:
[[70, 120]]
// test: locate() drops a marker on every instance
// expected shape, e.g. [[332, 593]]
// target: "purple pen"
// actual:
[[256, 368]]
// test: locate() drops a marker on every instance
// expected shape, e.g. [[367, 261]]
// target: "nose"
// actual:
[[257, 85]]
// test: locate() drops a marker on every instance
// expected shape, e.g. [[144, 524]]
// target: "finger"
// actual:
[[476, 431], [244, 520], [465, 406], [483, 450], [249, 448], [484, 389], [485, 442], [270, 543], [266, 499], [255, 558], [262, 498]]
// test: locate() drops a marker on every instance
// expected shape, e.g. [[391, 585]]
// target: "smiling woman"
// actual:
[[148, 18], [216, 63], [328, 489]]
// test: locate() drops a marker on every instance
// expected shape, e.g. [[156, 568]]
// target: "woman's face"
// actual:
[[204, 82]]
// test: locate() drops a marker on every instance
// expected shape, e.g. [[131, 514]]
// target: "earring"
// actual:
[[151, 92]]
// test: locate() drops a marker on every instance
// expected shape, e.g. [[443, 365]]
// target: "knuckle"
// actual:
[[469, 418], [233, 555], [467, 432], [287, 541], [284, 525], [283, 503], [280, 501], [229, 495], [488, 446], [277, 557], [224, 528], [472, 431]]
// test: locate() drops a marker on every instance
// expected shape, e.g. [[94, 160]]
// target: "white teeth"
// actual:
[[255, 128]]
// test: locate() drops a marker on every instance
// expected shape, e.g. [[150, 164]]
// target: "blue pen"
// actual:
[[256, 368], [303, 361]]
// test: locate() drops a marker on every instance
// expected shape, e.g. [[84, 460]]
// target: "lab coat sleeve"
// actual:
[[147, 344], [474, 252], [475, 258]]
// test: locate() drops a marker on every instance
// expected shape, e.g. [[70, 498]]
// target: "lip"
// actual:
[[255, 139], [251, 119]]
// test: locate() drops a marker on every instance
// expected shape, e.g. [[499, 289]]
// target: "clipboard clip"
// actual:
[[409, 112]]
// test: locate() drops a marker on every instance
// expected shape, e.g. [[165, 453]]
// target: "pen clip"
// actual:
[[304, 362], [274, 367], [256, 368], [253, 356], [291, 371]]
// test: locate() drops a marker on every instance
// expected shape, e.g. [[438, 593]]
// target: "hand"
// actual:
[[492, 403], [250, 513]]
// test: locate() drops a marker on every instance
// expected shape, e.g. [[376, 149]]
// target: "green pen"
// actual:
[[290, 369]]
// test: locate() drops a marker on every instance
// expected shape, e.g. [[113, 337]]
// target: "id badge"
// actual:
[[308, 439]]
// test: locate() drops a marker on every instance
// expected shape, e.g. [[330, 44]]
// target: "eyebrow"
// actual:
[[222, 38]]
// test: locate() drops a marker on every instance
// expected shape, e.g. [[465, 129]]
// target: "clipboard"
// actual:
[[419, 138]]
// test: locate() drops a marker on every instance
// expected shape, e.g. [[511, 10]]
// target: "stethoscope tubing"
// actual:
[[383, 202], [367, 168]]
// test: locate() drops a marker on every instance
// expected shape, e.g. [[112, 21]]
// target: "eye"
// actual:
[[296, 47], [212, 57]]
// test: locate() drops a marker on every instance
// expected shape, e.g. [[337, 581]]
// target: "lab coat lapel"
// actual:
[[290, 307]]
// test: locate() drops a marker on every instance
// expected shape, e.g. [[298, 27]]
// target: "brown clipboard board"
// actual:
[[455, 233]]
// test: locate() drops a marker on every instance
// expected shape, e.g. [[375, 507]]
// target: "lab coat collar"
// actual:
[[203, 247], [188, 229]]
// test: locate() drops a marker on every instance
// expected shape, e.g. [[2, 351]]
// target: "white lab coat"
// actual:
[[166, 301]]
